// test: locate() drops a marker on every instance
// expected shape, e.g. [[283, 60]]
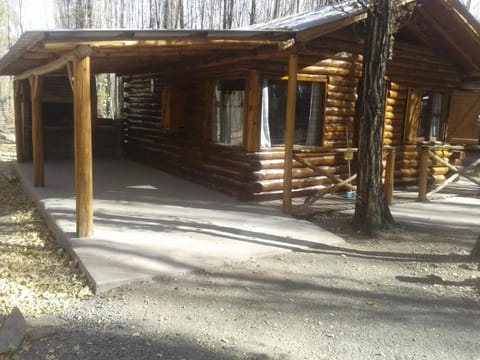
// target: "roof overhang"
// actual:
[[449, 28], [130, 51], [443, 24]]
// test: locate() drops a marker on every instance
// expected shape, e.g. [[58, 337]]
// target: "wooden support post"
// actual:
[[17, 105], [290, 131], [389, 175], [423, 173], [37, 131], [83, 146], [254, 108]]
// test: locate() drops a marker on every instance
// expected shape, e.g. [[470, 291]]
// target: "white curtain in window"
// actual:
[[233, 115], [314, 116], [265, 140]]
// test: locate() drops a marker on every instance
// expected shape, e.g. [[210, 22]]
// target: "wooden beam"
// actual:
[[37, 131], [59, 63], [83, 147], [423, 173], [253, 111], [290, 131], [443, 185], [179, 43], [17, 105]]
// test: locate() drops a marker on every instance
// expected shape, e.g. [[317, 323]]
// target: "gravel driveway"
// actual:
[[324, 304]]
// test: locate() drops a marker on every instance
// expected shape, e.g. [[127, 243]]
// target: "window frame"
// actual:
[[442, 115], [211, 112], [413, 115], [305, 78]]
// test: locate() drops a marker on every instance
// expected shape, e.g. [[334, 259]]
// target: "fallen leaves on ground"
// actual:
[[36, 275]]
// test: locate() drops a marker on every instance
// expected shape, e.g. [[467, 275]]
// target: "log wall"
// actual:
[[259, 174]]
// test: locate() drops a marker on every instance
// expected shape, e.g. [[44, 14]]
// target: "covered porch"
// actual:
[[150, 224]]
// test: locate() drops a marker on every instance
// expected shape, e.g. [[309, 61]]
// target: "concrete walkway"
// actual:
[[148, 223]]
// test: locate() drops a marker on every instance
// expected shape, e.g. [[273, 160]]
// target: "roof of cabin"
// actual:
[[443, 24], [320, 17]]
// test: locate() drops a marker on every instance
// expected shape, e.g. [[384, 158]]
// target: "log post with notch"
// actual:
[[83, 145], [290, 131], [37, 131]]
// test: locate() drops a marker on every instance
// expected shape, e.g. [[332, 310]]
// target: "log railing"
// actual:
[[339, 183], [427, 153]]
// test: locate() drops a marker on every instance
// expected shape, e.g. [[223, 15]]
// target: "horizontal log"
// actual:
[[348, 111], [226, 172], [297, 172], [150, 123], [273, 185], [340, 120], [143, 105], [342, 89], [317, 161], [336, 135], [396, 102], [343, 81], [340, 103], [336, 127], [345, 96], [410, 172], [144, 118], [340, 63], [150, 111], [139, 128]]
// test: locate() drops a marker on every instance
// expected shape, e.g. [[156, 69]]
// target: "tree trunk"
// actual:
[[253, 12], [371, 210], [166, 11], [276, 9]]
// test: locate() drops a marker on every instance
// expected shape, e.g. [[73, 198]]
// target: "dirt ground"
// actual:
[[410, 294]]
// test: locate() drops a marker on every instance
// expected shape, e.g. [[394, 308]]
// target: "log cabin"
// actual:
[[257, 112]]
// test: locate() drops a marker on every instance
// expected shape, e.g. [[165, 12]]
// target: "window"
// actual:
[[431, 115], [228, 112], [309, 113]]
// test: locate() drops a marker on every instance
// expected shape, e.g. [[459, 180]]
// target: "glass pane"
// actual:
[[228, 112], [430, 117], [308, 112]]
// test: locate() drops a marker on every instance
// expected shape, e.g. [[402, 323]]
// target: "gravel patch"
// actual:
[[36, 275]]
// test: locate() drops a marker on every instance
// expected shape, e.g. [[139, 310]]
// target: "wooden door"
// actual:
[[463, 120]]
